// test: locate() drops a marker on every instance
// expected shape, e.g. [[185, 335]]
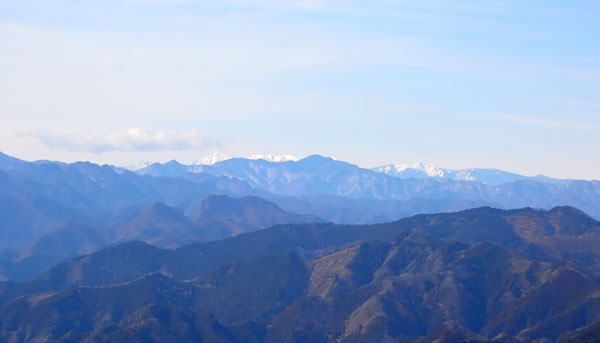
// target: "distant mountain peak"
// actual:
[[159, 207], [318, 157], [138, 166], [173, 163], [321, 156], [429, 169], [211, 159], [488, 176], [250, 210], [273, 158]]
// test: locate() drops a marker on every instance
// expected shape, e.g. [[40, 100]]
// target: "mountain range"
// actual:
[[39, 197], [492, 177], [271, 249], [397, 191], [217, 217], [479, 275]]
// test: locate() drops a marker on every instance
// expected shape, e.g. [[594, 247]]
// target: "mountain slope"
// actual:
[[409, 288], [590, 334], [165, 324], [562, 233], [250, 211], [491, 177], [216, 217], [504, 228], [161, 225], [157, 224], [333, 190], [68, 241], [419, 287], [316, 176]]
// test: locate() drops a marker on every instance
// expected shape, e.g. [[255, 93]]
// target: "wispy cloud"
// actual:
[[133, 139]]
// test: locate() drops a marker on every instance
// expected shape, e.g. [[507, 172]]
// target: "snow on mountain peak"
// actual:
[[273, 158], [138, 166], [428, 169], [212, 159], [420, 170]]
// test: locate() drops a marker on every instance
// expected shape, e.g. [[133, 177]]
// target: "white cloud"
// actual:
[[133, 139]]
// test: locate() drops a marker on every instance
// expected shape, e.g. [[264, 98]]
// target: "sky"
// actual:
[[508, 84]]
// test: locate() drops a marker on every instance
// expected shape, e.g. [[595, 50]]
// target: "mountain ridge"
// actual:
[[39, 197], [321, 283], [489, 176], [158, 224]]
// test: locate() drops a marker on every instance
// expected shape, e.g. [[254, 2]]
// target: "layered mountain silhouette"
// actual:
[[221, 253], [477, 275], [488, 176], [216, 217], [161, 225], [40, 196], [315, 176]]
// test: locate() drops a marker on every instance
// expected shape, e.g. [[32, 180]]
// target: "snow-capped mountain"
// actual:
[[333, 190], [273, 158], [213, 158], [138, 166], [217, 163], [416, 170], [174, 168], [492, 177]]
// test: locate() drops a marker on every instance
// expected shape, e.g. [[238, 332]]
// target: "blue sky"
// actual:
[[506, 84]]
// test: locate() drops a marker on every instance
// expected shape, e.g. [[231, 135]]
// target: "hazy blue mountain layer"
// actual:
[[41, 201], [344, 184], [333, 190], [217, 217]]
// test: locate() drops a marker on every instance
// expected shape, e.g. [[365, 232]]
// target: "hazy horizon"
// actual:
[[411, 164], [502, 84]]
